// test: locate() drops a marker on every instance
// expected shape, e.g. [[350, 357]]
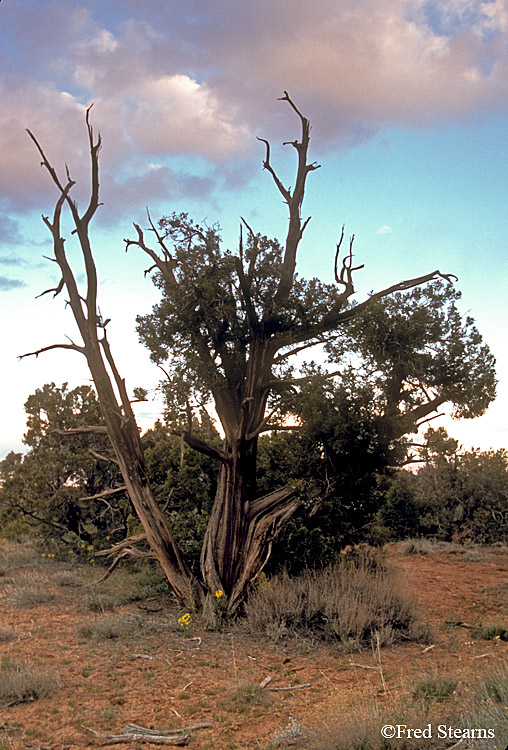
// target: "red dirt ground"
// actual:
[[158, 677]]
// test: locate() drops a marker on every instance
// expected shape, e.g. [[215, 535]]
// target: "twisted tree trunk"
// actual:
[[115, 404]]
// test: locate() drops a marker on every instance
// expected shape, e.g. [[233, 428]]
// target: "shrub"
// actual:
[[363, 732], [67, 578], [350, 602], [21, 683], [7, 635], [28, 594], [491, 632], [106, 628]]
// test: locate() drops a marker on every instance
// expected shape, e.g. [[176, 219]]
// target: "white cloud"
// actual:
[[202, 82], [384, 229]]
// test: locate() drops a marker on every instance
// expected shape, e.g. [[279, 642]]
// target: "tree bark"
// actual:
[[115, 404]]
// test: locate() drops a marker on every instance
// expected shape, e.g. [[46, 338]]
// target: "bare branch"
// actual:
[[292, 352], [276, 428], [129, 552], [103, 458], [105, 493], [84, 430], [266, 165], [304, 379], [245, 288], [338, 316], [429, 419], [73, 347], [165, 265], [345, 278], [420, 412], [202, 447], [120, 382], [128, 542], [56, 290], [294, 201]]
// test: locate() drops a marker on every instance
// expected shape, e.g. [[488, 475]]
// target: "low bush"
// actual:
[[490, 709], [491, 632], [21, 683], [350, 602], [107, 628], [7, 635], [67, 579], [32, 597]]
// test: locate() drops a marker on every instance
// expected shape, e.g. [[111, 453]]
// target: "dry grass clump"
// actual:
[[483, 713], [490, 707], [68, 579], [22, 683], [16, 555], [30, 589], [417, 547], [107, 628], [434, 689], [7, 635], [363, 732], [350, 602]]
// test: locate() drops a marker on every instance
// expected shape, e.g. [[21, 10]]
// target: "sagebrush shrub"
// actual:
[[350, 602]]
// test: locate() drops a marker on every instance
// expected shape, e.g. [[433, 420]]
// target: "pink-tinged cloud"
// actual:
[[201, 79]]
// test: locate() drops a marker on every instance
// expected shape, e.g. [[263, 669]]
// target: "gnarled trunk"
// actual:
[[237, 542]]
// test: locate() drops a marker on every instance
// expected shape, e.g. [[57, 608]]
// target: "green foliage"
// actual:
[[462, 496], [491, 632], [200, 327], [417, 342], [184, 483], [46, 491], [400, 512], [342, 454]]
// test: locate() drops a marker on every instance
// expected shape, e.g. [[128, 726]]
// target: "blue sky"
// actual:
[[409, 106]]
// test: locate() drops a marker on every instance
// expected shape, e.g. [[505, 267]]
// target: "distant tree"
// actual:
[[462, 495], [399, 512], [230, 323], [63, 489]]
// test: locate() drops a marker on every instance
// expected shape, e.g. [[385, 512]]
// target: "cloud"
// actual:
[[384, 229], [11, 261], [7, 284], [189, 89], [9, 231]]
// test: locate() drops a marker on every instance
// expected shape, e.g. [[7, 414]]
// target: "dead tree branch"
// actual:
[[120, 422]]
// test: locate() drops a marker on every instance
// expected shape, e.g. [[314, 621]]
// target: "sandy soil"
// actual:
[[158, 677]]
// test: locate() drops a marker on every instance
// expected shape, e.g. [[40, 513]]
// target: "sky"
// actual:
[[408, 101]]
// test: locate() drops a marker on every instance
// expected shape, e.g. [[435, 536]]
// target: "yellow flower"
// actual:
[[44, 554], [90, 547], [184, 620], [219, 593], [108, 538]]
